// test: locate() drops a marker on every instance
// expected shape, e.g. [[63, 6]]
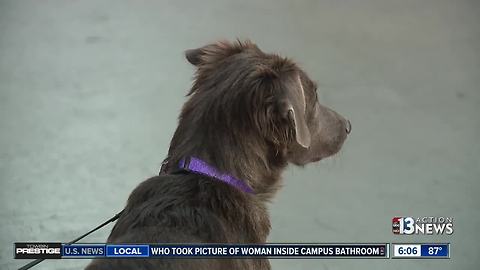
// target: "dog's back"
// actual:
[[185, 208]]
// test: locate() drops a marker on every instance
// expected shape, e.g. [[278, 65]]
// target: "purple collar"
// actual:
[[196, 165]]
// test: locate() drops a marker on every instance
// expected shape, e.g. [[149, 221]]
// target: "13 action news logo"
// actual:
[[423, 225]]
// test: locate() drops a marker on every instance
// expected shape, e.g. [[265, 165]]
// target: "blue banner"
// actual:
[[128, 251], [435, 250], [83, 250], [225, 250], [35, 250]]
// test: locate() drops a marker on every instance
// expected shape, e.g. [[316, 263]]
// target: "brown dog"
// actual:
[[249, 114]]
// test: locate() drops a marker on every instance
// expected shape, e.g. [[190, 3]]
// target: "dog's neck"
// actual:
[[230, 152]]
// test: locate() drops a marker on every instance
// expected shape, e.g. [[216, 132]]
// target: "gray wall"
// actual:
[[90, 92]]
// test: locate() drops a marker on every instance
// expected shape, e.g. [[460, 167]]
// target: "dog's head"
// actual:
[[267, 96]]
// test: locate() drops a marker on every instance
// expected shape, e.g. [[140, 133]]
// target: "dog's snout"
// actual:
[[348, 126], [342, 124]]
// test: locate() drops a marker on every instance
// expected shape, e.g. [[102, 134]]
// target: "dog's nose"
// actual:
[[348, 126]]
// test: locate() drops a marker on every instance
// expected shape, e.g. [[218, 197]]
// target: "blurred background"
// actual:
[[90, 92]]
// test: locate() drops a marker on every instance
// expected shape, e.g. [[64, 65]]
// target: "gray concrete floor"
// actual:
[[90, 91]]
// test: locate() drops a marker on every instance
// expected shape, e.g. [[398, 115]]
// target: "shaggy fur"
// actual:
[[248, 114]]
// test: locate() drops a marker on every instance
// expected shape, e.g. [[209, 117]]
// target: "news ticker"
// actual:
[[88, 251]]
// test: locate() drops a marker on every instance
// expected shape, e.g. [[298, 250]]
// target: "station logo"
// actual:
[[422, 225], [38, 250]]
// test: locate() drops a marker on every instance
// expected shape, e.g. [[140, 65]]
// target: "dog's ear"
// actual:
[[194, 56], [214, 52], [294, 108]]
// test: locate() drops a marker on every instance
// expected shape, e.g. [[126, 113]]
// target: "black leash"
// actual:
[[37, 261]]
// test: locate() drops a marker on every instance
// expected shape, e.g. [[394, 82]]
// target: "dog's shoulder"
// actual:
[[194, 205]]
